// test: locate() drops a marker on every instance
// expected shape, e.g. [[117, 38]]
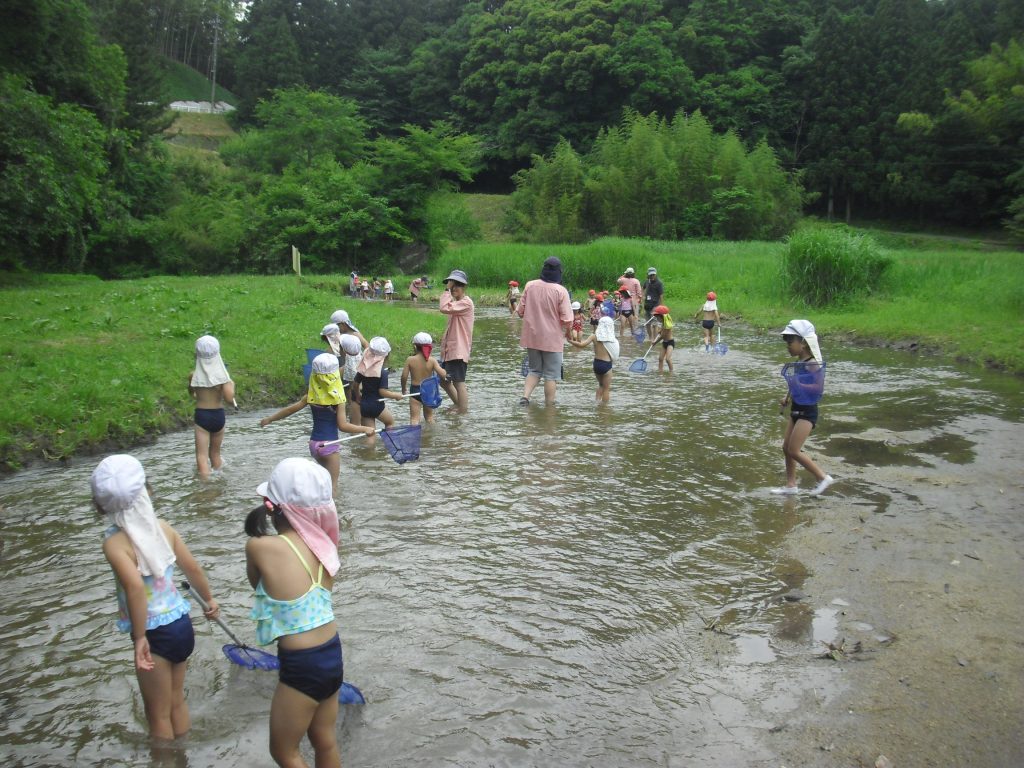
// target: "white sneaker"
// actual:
[[786, 490], [820, 488]]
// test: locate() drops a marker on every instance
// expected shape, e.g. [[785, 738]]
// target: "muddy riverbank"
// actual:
[[930, 587]]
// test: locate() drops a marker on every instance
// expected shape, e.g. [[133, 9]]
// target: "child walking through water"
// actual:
[[419, 366], [606, 352], [326, 400], [664, 335], [711, 316], [211, 387], [806, 380], [292, 606], [142, 551]]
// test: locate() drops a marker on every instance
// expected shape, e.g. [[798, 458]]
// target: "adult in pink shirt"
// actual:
[[547, 314], [458, 338]]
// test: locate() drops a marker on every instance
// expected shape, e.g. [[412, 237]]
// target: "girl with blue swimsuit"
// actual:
[[606, 352], [142, 551], [326, 400], [293, 575]]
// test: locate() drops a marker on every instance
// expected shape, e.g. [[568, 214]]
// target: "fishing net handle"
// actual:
[[350, 437], [186, 587]]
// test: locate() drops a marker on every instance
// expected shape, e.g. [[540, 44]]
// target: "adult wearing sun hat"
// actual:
[[547, 315], [457, 341]]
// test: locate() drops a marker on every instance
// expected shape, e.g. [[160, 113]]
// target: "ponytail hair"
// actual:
[[256, 521]]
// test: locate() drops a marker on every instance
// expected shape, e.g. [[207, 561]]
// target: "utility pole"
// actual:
[[213, 72]]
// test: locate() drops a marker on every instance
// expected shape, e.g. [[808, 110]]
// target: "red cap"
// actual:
[[711, 296], [593, 292], [661, 309], [514, 283]]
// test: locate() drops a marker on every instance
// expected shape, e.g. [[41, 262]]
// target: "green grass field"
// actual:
[[103, 365]]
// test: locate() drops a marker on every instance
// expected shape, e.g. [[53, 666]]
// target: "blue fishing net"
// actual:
[[430, 391], [806, 381], [349, 694], [251, 658], [639, 333], [638, 366], [403, 443]]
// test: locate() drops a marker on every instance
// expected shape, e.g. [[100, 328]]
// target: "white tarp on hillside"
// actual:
[[201, 106]]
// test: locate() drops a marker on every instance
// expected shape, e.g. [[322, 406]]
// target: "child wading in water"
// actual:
[[211, 386], [142, 551], [419, 366], [512, 297], [806, 384], [664, 335], [326, 400], [367, 388], [711, 316], [293, 575], [606, 352], [575, 332]]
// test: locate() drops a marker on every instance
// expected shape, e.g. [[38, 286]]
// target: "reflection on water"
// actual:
[[529, 592]]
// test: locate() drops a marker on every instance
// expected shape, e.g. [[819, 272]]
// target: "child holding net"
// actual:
[[806, 382], [293, 576], [142, 551], [326, 400], [419, 366]]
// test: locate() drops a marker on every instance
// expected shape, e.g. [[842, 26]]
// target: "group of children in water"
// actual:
[[292, 603]]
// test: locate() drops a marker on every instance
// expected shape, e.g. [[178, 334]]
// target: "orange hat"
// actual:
[[661, 309], [711, 296]]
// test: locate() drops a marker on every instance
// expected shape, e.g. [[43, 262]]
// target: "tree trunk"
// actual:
[[831, 201]]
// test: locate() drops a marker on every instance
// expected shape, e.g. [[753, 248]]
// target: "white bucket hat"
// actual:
[[210, 370], [805, 330], [325, 363], [350, 344], [422, 338]]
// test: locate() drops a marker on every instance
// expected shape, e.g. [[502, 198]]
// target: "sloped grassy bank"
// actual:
[[94, 365]]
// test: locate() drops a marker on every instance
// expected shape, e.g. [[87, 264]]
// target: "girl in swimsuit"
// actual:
[[606, 352], [211, 387], [142, 551], [293, 575], [326, 400], [368, 388]]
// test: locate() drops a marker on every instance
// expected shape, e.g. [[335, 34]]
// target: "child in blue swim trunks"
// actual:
[[370, 387], [212, 387], [606, 352], [802, 343], [293, 575], [142, 551], [326, 400]]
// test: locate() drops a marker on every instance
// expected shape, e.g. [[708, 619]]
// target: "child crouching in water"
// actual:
[[664, 335], [606, 352], [419, 366], [142, 551], [805, 387], [292, 606]]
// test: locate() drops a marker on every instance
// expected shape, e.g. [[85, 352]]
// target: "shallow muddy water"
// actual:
[[532, 591]]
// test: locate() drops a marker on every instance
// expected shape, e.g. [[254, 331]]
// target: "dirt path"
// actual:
[[932, 569]]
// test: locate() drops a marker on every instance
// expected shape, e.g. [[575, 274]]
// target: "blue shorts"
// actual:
[[174, 642], [805, 412], [601, 367], [210, 419], [709, 324], [371, 409], [316, 672]]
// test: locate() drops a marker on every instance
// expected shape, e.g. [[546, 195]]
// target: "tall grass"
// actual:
[[96, 363], [828, 265]]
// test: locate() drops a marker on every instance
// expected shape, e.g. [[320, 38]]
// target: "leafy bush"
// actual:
[[829, 265]]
